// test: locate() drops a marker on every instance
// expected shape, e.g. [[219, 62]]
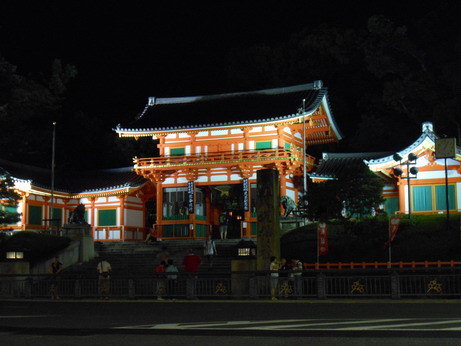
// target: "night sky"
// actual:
[[127, 51]]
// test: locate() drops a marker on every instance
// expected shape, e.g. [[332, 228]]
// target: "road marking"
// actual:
[[403, 325], [212, 325], [24, 316], [327, 324], [397, 324]]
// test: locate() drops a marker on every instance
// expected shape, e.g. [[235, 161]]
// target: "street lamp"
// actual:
[[411, 173]]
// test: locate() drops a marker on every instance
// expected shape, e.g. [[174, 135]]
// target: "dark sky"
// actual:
[[127, 51]]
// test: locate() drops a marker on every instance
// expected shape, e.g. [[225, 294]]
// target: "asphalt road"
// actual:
[[148, 322]]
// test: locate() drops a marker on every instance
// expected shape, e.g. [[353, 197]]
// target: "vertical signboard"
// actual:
[[246, 205], [190, 199]]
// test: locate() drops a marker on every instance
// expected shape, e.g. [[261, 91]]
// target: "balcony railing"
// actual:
[[224, 158]]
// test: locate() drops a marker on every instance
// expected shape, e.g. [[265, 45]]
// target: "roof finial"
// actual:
[[427, 126]]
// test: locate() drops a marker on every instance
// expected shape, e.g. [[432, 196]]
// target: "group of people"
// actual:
[[285, 277]]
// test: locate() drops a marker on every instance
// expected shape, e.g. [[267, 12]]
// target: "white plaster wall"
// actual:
[[169, 181], [275, 143], [256, 129], [39, 198], [133, 199], [235, 177], [113, 199], [202, 179], [251, 145], [182, 181], [218, 178], [219, 132], [291, 194], [298, 135], [202, 134], [183, 135], [198, 149], [236, 131], [287, 130], [133, 218], [171, 136], [437, 174], [187, 150], [241, 146], [289, 184], [167, 151], [270, 128]]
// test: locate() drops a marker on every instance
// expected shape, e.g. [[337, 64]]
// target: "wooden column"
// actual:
[[402, 193]]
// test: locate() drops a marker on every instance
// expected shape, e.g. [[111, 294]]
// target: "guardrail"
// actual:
[[393, 284], [377, 265]]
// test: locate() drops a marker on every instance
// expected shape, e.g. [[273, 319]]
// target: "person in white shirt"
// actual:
[[103, 268], [274, 266], [209, 250]]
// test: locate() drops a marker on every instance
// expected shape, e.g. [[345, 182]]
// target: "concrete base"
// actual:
[[76, 231]]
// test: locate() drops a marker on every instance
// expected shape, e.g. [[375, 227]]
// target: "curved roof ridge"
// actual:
[[152, 101]]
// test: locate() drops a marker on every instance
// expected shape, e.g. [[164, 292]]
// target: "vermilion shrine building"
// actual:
[[264, 129]]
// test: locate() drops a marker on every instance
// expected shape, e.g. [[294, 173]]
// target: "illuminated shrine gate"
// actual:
[[264, 130]]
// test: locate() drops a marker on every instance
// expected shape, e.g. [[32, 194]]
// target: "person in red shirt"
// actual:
[[191, 263], [160, 280]]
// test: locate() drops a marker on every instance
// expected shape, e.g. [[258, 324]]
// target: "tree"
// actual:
[[356, 189], [8, 199], [359, 189]]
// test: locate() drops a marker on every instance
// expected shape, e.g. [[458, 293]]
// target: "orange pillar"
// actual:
[[402, 203]]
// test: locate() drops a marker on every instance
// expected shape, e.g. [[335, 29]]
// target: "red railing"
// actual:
[[376, 265], [223, 158]]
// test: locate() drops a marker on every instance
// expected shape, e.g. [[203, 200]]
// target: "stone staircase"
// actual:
[[140, 259]]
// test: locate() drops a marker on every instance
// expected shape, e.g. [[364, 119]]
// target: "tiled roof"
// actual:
[[75, 181], [332, 164], [229, 109]]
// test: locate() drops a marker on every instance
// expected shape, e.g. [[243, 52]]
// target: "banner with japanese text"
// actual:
[[394, 222], [322, 237]]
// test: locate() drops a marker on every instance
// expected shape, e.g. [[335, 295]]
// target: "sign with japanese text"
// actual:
[[190, 199], [246, 205], [322, 237]]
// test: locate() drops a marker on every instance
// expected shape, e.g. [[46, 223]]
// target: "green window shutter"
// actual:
[[178, 152], [391, 205], [35, 215], [287, 145], [57, 214], [11, 209], [441, 199], [107, 217], [263, 145], [86, 215], [254, 228], [422, 198]]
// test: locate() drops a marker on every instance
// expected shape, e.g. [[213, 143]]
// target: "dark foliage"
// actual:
[[423, 238], [36, 246]]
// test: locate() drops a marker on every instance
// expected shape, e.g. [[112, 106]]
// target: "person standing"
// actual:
[[297, 268], [209, 250], [274, 266], [160, 280], [54, 269], [104, 269], [172, 277], [223, 225], [191, 263]]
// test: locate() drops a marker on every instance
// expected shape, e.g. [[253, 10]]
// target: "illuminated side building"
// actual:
[[215, 142]]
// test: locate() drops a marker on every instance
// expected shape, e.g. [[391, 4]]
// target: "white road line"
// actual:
[[209, 325], [25, 316], [288, 326], [402, 325]]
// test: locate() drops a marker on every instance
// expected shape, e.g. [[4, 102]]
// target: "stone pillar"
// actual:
[[268, 186]]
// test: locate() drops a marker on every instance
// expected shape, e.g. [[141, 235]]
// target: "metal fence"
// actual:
[[243, 285]]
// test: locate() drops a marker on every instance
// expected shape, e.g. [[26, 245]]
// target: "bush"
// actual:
[[36, 246], [421, 238]]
